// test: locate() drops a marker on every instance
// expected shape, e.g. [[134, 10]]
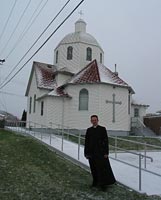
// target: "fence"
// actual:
[[56, 130]]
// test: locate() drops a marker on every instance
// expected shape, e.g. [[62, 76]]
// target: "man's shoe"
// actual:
[[103, 188], [94, 184]]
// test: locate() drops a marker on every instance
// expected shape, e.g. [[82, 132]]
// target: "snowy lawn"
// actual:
[[28, 170]]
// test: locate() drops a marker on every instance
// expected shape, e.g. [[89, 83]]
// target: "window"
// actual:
[[56, 56], [100, 57], [136, 112], [83, 99], [89, 54], [30, 105], [129, 103], [69, 53], [34, 109], [42, 108]]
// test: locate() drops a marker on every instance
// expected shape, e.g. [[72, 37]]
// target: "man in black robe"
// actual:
[[96, 151]]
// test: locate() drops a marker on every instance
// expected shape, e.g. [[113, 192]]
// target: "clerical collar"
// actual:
[[95, 126]]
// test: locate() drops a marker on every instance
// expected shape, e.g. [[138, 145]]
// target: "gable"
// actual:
[[45, 76], [98, 73]]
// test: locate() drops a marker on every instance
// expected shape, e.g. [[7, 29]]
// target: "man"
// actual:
[[96, 151]]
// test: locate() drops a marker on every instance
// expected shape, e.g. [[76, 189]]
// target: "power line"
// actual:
[[12, 94], [15, 27], [43, 43], [8, 19], [27, 27], [37, 39]]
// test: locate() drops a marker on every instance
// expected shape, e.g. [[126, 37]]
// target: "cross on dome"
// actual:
[[81, 13]]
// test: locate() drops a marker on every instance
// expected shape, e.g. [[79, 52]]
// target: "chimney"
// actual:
[[116, 73]]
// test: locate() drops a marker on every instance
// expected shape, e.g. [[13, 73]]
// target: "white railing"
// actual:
[[64, 134]]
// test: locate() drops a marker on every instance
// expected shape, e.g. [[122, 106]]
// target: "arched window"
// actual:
[[69, 53], [34, 108], [89, 54], [42, 108], [57, 56], [100, 57], [83, 99], [30, 105]]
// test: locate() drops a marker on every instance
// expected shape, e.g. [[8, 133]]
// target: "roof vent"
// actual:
[[49, 66]]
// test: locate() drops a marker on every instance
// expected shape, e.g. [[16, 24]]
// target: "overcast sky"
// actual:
[[129, 32]]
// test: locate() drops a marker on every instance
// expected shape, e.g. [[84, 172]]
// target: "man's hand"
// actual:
[[105, 156], [88, 156]]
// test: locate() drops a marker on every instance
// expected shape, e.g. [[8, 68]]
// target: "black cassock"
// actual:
[[96, 146]]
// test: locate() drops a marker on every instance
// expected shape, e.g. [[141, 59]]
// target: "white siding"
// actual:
[[54, 111], [98, 94], [71, 116], [36, 117], [61, 78], [122, 118]]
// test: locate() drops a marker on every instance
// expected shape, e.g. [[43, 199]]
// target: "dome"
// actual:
[[79, 36]]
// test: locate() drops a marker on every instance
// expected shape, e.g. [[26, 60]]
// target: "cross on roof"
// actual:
[[81, 13]]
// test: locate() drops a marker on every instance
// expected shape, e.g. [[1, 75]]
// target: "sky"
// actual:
[[129, 32]]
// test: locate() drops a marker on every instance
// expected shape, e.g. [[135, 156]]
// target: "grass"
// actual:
[[30, 171]]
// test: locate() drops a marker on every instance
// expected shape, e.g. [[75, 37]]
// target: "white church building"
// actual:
[[79, 85]]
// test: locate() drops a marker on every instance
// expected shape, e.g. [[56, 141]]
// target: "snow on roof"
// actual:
[[97, 73], [58, 92], [79, 37], [107, 76], [45, 75], [135, 103], [65, 70]]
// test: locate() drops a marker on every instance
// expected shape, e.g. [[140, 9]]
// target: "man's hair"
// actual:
[[94, 116]]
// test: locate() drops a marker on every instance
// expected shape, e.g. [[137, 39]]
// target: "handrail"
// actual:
[[60, 127], [142, 123], [140, 156], [131, 141]]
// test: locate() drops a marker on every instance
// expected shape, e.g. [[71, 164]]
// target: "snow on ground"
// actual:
[[124, 173]]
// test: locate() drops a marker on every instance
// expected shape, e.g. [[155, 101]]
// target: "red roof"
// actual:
[[97, 73], [92, 73], [45, 75], [88, 74]]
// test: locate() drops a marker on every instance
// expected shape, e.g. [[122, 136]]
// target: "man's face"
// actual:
[[94, 121]]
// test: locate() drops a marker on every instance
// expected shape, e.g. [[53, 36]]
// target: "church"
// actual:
[[78, 85]]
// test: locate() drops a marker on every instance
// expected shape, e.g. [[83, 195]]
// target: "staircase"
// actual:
[[139, 128]]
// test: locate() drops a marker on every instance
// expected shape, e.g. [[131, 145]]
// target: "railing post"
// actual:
[[145, 150], [41, 131], [79, 145], [115, 147], [34, 129], [140, 172], [68, 133], [62, 138], [50, 135]]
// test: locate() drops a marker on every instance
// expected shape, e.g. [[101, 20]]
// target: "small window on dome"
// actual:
[[69, 53], [100, 57], [89, 54], [56, 56]]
